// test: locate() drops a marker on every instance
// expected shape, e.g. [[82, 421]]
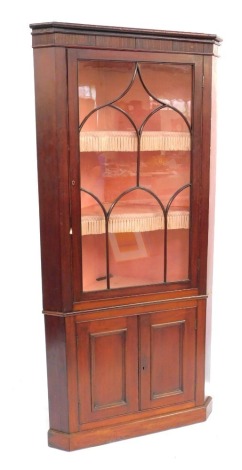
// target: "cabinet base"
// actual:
[[139, 427]]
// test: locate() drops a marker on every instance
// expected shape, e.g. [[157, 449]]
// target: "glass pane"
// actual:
[[94, 264], [165, 154], [108, 154], [137, 103], [178, 224], [101, 82], [171, 84], [136, 238]]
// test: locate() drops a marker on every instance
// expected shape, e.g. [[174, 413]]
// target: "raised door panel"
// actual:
[[167, 358], [107, 368]]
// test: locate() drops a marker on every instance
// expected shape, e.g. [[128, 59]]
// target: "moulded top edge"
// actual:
[[54, 27]]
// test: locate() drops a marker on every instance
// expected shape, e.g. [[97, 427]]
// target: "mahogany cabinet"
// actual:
[[126, 164]]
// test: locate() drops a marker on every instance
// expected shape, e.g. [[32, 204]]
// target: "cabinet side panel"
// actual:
[[212, 174], [207, 191], [51, 124], [211, 221], [208, 185], [200, 352], [57, 372]]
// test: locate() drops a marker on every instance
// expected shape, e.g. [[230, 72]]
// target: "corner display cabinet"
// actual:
[[126, 169]]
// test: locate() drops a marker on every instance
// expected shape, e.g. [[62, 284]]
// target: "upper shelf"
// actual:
[[108, 141]]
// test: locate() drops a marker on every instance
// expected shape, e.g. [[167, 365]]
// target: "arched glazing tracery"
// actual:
[[135, 169]]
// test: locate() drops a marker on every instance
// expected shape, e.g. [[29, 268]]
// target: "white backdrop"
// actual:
[[23, 389]]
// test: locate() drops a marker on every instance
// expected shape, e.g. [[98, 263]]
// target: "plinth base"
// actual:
[[139, 427]]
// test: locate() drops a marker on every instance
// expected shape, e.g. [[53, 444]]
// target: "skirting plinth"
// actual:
[[139, 427]]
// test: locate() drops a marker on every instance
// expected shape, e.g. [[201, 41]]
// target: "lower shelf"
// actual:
[[139, 427], [133, 218]]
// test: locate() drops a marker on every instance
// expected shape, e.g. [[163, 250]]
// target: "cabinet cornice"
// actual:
[[78, 35]]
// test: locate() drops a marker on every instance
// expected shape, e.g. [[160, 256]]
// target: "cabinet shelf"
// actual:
[[113, 141], [133, 218]]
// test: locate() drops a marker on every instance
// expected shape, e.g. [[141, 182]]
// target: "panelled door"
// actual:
[[107, 368], [167, 361]]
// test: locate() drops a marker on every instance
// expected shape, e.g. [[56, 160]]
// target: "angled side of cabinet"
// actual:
[[126, 192]]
